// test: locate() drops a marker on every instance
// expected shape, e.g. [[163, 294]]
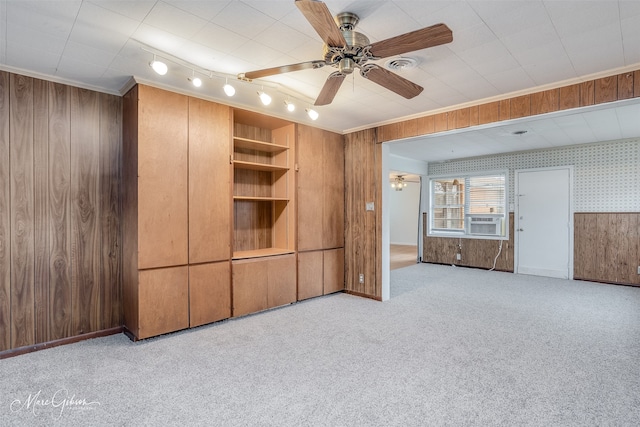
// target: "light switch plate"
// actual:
[[369, 206]]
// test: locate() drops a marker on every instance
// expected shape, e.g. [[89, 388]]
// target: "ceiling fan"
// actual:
[[346, 50]]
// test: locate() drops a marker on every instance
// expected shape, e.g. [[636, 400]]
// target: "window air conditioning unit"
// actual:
[[486, 225]]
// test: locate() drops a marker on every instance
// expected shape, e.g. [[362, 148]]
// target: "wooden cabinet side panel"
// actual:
[[130, 210], [209, 293], [310, 275], [281, 280], [310, 188], [284, 221], [164, 301], [333, 274], [5, 215], [162, 178], [209, 181], [333, 208], [249, 286]]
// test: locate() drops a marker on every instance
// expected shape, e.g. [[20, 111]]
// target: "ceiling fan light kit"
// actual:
[[348, 50]]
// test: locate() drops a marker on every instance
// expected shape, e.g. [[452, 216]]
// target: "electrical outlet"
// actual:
[[639, 269], [361, 278], [458, 257]]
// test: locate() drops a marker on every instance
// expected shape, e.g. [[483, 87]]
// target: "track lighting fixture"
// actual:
[[158, 66], [196, 81], [228, 89], [265, 98], [291, 107], [313, 114]]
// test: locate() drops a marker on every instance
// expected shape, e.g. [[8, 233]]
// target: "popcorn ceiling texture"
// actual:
[[606, 175]]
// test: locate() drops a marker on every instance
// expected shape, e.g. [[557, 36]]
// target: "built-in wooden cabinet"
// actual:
[[177, 212], [262, 283], [211, 212], [320, 218]]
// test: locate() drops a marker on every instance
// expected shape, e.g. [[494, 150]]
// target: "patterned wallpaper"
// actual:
[[606, 175]]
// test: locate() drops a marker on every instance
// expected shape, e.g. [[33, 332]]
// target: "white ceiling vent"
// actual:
[[400, 63]]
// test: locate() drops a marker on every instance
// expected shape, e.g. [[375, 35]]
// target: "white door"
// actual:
[[543, 222]]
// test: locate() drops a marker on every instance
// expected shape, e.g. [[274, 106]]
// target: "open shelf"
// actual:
[[241, 164], [257, 253], [252, 144]]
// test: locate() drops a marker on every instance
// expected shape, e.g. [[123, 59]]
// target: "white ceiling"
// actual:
[[499, 48]]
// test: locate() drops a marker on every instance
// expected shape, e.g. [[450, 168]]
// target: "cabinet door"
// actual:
[[209, 182], [333, 209], [163, 301], [249, 286], [281, 280], [209, 293], [333, 270], [310, 274], [310, 188], [162, 178]]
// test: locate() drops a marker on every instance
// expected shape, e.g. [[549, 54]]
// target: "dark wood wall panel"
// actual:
[[22, 206], [41, 209], [606, 89], [111, 210], [479, 253], [85, 210], [60, 238], [5, 217], [607, 247], [59, 211], [362, 229]]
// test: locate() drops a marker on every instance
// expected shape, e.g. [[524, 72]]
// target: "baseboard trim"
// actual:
[[62, 341]]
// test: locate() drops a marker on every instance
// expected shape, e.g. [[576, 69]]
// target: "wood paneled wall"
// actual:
[[607, 247], [473, 252], [363, 229], [60, 240], [591, 92]]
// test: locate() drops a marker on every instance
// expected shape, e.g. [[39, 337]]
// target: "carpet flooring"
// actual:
[[452, 347]]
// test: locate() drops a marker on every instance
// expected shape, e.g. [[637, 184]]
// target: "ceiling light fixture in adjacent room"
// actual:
[[398, 183]]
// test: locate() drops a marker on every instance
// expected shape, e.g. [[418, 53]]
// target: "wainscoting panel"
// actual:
[[479, 253], [607, 247]]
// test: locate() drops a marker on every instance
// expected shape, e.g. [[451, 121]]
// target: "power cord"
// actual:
[[496, 258]]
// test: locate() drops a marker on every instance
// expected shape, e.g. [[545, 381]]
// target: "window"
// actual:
[[469, 206]]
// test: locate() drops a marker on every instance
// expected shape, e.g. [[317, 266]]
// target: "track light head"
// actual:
[[313, 114], [266, 99], [158, 66]]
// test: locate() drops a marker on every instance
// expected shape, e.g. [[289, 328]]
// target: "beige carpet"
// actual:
[[453, 347]]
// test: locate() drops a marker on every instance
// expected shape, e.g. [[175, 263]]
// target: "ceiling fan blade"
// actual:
[[391, 81], [282, 69], [330, 88], [415, 40], [318, 15]]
